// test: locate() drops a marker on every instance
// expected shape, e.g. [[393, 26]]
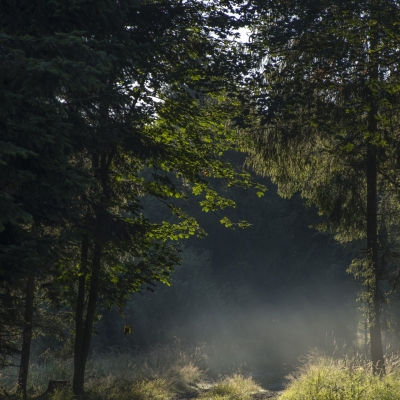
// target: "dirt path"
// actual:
[[259, 396], [273, 383], [267, 395]]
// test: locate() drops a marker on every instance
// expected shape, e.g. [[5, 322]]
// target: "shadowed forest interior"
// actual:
[[200, 199]]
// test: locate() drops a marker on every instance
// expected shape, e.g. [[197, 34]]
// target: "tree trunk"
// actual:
[[378, 363], [83, 345], [26, 335], [84, 326], [372, 251], [80, 306], [366, 324]]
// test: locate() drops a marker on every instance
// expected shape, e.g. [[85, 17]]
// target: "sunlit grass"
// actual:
[[144, 389], [159, 373], [140, 389], [151, 374], [326, 378], [235, 387]]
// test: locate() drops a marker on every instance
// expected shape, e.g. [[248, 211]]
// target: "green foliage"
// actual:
[[103, 105], [311, 104]]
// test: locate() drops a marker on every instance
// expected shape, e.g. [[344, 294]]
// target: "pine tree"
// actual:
[[326, 98]]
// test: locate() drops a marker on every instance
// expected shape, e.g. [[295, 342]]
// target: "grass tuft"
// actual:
[[235, 387], [326, 378]]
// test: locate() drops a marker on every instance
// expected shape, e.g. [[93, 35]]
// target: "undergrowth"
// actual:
[[236, 387], [118, 374], [156, 374], [347, 378]]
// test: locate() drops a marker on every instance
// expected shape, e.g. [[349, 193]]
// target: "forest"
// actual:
[[200, 199]]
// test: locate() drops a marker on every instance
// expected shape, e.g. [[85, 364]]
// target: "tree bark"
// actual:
[[366, 324], [372, 251], [26, 335], [378, 363], [79, 321], [82, 347], [84, 326]]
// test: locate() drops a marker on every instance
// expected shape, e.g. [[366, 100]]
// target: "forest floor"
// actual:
[[268, 394], [165, 372], [162, 374], [269, 388]]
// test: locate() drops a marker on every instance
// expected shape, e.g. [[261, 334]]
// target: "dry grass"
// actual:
[[144, 389], [157, 374], [161, 371], [235, 387], [347, 378]]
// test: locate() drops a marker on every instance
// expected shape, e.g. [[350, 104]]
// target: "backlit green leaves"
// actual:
[[313, 102]]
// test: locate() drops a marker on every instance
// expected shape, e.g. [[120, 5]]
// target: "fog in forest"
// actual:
[[254, 299], [199, 199]]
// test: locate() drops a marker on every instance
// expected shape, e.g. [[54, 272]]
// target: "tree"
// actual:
[[38, 183], [179, 138], [129, 100], [326, 99]]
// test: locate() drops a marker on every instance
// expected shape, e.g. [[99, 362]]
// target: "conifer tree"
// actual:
[[115, 101], [326, 98], [38, 182]]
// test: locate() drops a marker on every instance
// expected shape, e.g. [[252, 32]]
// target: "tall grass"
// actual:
[[160, 373], [235, 387], [347, 378], [157, 372]]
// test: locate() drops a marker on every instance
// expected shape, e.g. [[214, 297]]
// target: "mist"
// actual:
[[254, 300]]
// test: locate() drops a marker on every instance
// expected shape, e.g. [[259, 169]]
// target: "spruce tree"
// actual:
[[116, 102], [326, 101], [38, 182]]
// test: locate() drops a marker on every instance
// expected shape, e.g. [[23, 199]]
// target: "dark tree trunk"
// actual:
[[378, 362], [372, 251], [79, 319], [26, 335], [84, 326], [82, 343]]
